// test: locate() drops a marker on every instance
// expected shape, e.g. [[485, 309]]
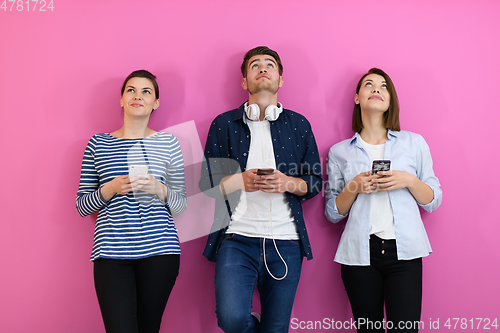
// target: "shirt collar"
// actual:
[[390, 134], [240, 113]]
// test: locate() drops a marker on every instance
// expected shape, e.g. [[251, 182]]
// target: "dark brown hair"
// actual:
[[391, 116], [259, 50], [145, 74]]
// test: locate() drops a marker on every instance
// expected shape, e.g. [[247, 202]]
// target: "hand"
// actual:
[[249, 180], [149, 184], [363, 183], [393, 180], [277, 182], [119, 185]]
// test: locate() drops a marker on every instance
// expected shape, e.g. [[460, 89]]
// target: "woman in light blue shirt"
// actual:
[[384, 240]]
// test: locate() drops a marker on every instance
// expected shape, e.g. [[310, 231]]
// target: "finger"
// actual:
[[133, 179], [250, 187], [273, 190], [136, 183], [375, 176], [123, 179], [382, 180], [386, 188], [392, 185], [260, 178], [265, 181], [271, 180], [251, 182], [251, 176], [277, 173]]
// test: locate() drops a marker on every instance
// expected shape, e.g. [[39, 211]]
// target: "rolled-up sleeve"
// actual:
[[334, 186], [425, 173]]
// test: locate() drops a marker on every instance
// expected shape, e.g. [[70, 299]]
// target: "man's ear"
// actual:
[[281, 82], [244, 83]]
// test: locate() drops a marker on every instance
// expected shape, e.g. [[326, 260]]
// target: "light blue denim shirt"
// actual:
[[408, 152]]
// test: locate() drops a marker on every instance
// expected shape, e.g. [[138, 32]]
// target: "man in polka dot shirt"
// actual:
[[261, 161]]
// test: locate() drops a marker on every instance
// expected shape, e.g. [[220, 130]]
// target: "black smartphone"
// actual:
[[262, 172], [381, 165]]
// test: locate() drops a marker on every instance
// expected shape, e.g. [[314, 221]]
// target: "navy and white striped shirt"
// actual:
[[138, 224]]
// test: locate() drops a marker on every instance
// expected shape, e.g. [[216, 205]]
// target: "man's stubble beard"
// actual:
[[263, 87]]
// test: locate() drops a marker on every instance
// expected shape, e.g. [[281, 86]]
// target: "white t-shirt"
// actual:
[[381, 218], [252, 216]]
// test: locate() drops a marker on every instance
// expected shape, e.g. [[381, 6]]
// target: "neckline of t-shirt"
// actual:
[[148, 137], [259, 123], [369, 144]]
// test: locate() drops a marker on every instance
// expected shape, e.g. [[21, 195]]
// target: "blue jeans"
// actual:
[[240, 268]]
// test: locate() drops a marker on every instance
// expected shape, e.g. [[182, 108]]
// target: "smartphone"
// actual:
[[262, 172], [137, 169], [380, 165]]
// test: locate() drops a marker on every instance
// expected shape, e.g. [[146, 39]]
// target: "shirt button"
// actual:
[[383, 251], [382, 242], [244, 154]]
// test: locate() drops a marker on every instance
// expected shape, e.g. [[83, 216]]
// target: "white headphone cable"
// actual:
[[274, 242]]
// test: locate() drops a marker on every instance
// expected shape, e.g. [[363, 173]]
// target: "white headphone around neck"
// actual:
[[272, 111]]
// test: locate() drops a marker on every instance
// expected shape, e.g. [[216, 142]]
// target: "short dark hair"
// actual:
[[391, 116], [259, 50], [145, 74]]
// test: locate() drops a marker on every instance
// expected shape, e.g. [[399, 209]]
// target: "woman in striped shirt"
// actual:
[[136, 248]]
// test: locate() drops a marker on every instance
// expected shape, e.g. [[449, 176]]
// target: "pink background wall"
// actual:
[[60, 75]]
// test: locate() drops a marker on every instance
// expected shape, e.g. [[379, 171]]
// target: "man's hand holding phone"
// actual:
[[265, 180], [272, 181]]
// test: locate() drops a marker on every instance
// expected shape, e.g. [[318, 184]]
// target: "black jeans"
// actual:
[[133, 294], [397, 284]]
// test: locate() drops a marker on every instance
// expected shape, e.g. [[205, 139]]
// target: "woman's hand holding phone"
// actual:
[[119, 185], [362, 183], [394, 179]]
